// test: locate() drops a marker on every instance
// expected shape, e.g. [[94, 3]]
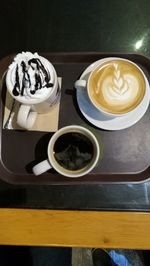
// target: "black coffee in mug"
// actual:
[[73, 151]]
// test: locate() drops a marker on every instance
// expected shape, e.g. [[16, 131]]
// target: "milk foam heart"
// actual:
[[117, 86]]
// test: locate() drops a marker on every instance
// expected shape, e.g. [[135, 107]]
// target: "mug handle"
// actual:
[[80, 84], [41, 167], [26, 118]]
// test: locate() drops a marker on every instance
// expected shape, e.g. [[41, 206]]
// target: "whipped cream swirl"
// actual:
[[30, 76]]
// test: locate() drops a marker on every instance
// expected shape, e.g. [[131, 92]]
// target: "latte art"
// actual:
[[117, 86]]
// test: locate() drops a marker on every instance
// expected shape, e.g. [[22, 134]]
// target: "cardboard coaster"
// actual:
[[45, 122]]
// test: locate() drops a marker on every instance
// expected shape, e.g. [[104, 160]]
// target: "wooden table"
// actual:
[[75, 228]]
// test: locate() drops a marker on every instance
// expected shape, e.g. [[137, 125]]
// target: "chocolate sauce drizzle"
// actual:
[[39, 69], [16, 89]]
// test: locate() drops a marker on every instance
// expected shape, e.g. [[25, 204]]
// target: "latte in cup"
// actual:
[[117, 86]]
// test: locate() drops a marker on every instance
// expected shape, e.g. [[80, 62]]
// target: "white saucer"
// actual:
[[100, 120]]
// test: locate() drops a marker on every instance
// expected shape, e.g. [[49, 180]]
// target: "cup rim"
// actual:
[[34, 101], [109, 59], [73, 128]]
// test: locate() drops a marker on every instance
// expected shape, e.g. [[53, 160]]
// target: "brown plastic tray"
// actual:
[[125, 153]]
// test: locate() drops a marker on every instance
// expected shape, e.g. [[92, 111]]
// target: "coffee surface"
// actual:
[[73, 151], [117, 86]]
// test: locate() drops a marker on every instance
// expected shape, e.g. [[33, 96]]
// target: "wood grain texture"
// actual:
[[75, 228]]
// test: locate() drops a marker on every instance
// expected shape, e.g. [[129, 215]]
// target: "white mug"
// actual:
[[29, 108], [84, 84], [51, 162]]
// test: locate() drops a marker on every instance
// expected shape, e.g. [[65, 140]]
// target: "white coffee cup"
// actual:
[[31, 107], [51, 162], [85, 84]]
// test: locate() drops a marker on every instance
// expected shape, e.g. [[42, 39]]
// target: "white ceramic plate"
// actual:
[[100, 120]]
